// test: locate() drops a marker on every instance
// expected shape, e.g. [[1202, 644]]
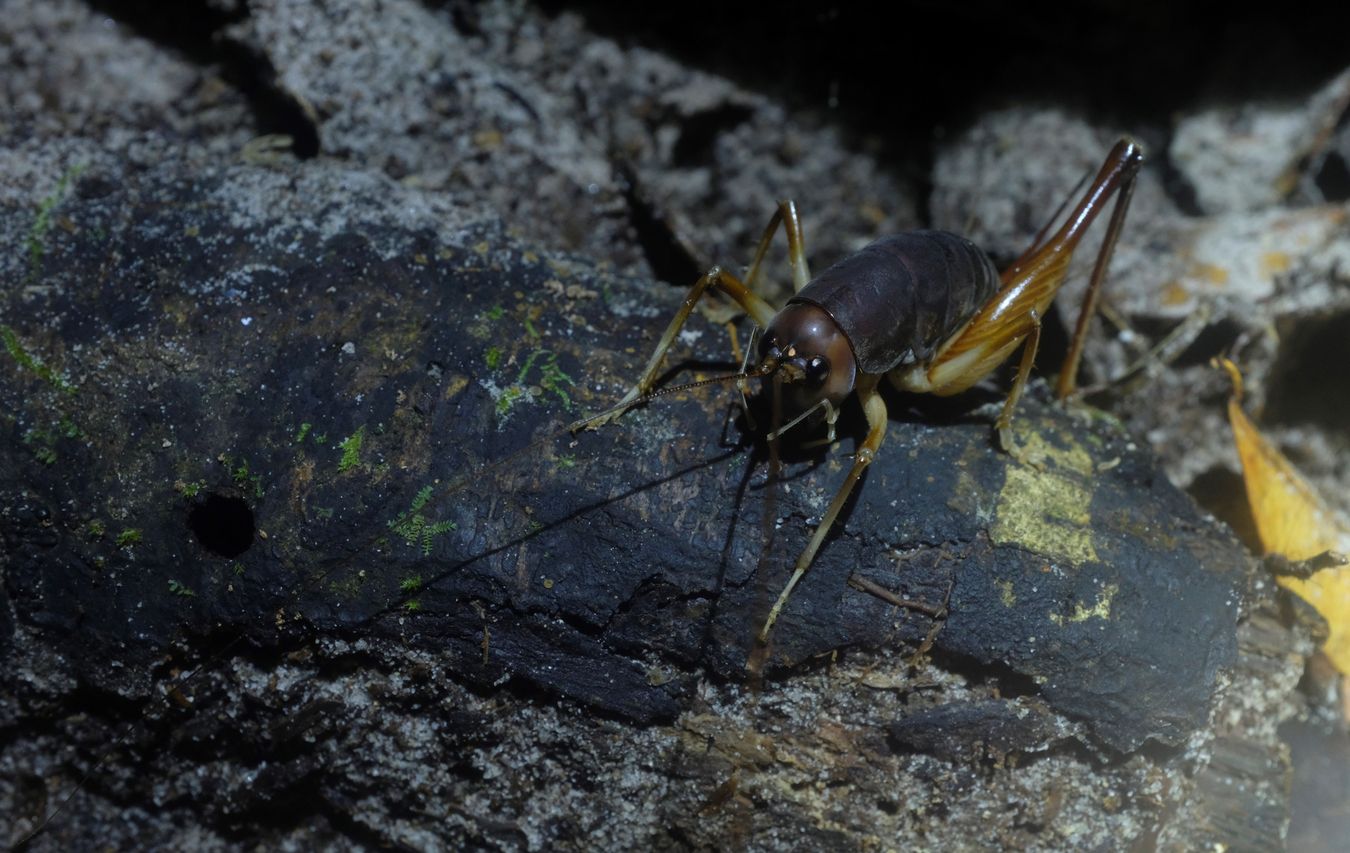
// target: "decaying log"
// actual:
[[259, 464]]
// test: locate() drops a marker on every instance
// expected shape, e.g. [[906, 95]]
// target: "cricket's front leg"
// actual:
[[742, 293], [752, 304], [786, 215], [875, 410]]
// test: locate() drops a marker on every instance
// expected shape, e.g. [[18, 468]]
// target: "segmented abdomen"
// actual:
[[898, 298]]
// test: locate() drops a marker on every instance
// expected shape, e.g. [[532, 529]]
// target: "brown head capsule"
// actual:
[[805, 348]]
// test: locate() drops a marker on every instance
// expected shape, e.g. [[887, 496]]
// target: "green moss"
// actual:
[[421, 499], [412, 605], [416, 529], [97, 528], [129, 536], [42, 223], [411, 584], [552, 379], [38, 443], [347, 587], [244, 478], [42, 442], [508, 399], [31, 362], [496, 312], [351, 450], [304, 431], [493, 357], [178, 589]]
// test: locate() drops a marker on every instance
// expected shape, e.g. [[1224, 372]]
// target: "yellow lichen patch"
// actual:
[[1005, 593], [456, 384], [1100, 610], [1044, 506], [1212, 274], [1292, 520], [1174, 294], [488, 139], [1274, 262]]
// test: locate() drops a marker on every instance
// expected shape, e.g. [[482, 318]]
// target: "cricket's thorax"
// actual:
[[902, 295]]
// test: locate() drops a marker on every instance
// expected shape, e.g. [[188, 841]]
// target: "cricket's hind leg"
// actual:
[[1068, 372], [1012, 317]]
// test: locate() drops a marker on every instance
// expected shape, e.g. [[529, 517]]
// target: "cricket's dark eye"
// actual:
[[817, 369]]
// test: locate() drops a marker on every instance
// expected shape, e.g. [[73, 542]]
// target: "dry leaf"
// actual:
[[1293, 520]]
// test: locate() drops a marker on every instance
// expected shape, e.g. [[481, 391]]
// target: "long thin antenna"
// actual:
[[475, 473], [576, 426]]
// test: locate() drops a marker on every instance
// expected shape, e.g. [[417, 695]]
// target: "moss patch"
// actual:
[[351, 450]]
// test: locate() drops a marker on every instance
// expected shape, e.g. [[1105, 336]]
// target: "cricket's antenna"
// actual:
[[474, 473], [576, 426]]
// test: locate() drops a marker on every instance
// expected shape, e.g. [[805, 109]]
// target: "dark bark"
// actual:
[[322, 465], [272, 574]]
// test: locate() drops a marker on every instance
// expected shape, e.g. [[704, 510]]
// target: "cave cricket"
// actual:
[[925, 309]]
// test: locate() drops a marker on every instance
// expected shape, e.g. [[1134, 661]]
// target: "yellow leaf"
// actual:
[[1293, 520]]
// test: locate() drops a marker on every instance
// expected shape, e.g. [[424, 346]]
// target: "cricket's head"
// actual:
[[805, 350], [804, 354]]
